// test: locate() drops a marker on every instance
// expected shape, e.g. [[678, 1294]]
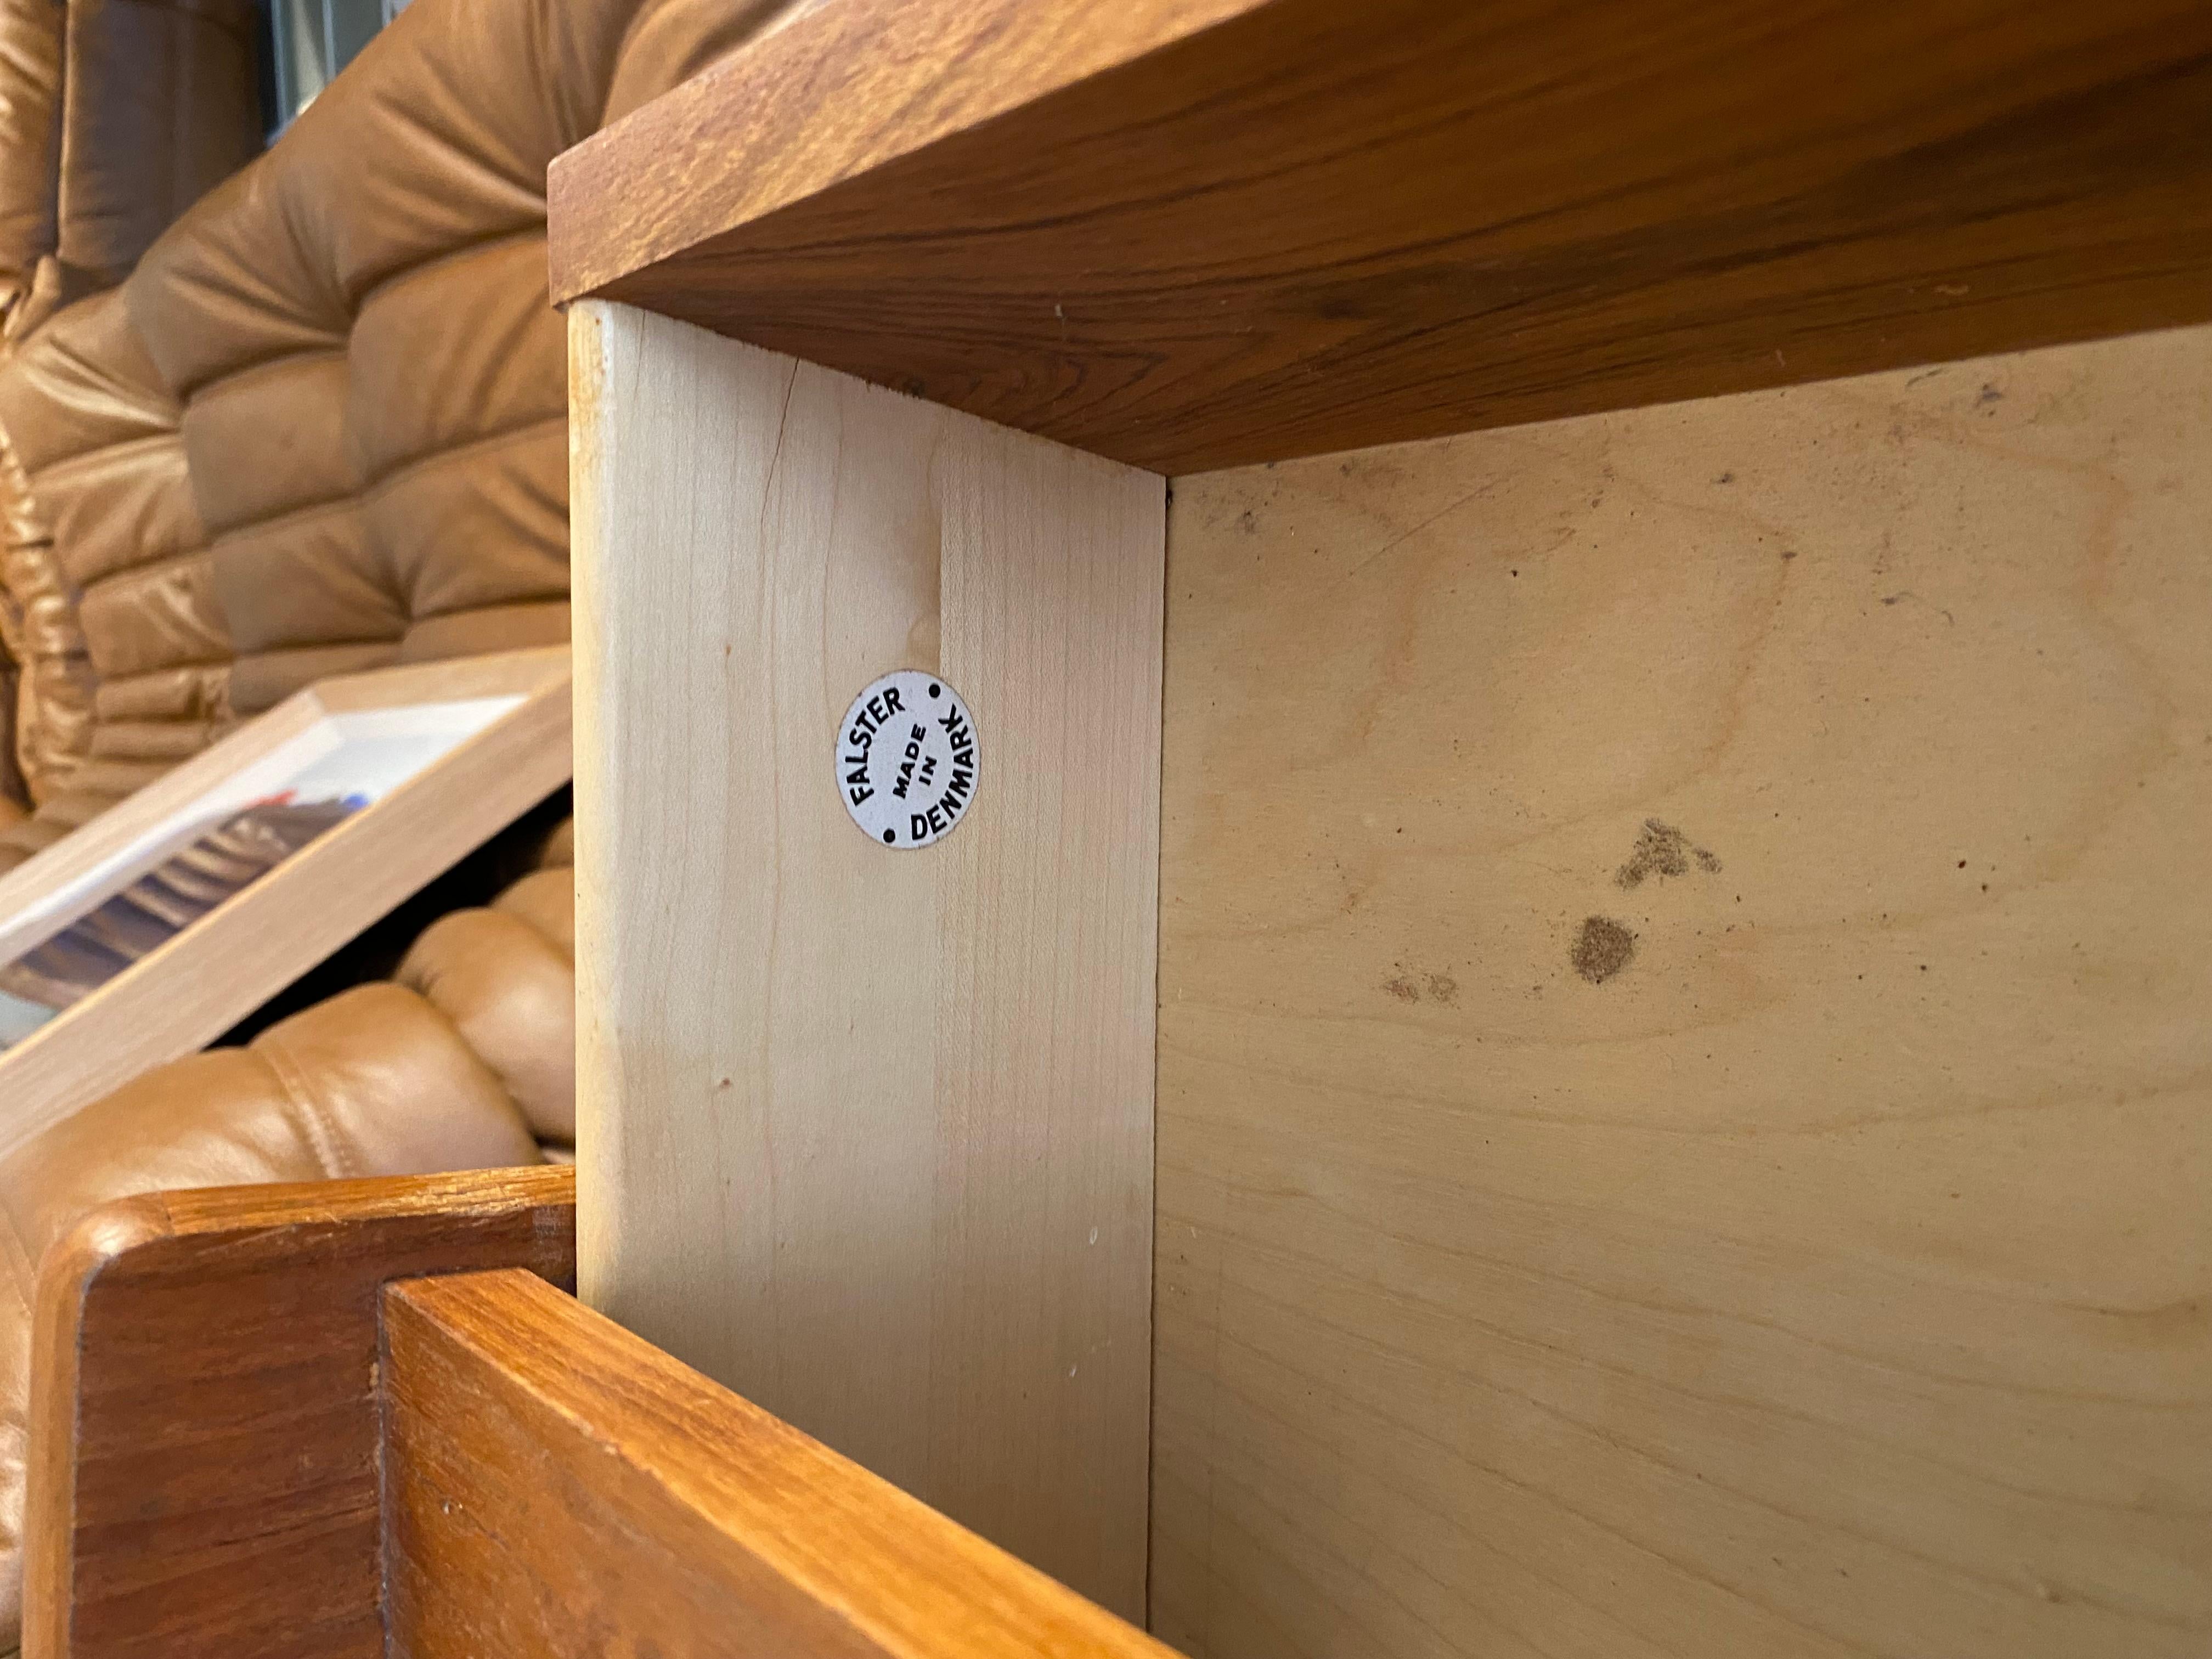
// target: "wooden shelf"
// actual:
[[1190, 236], [1679, 1063]]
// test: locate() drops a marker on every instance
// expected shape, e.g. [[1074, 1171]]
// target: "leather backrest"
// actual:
[[159, 105], [105, 565], [375, 290], [368, 382], [115, 116], [30, 144]]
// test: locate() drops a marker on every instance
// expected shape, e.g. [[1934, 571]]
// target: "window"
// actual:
[[314, 39]]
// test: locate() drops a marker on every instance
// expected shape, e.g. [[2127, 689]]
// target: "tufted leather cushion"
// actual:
[[115, 115], [159, 104], [415, 514], [108, 601], [323, 427], [506, 982]]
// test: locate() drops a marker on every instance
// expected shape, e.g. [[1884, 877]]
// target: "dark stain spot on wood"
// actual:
[[1442, 987], [1601, 949], [1907, 593], [1662, 850]]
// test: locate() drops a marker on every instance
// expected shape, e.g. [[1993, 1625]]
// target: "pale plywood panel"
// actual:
[[866, 1135], [1832, 1279]]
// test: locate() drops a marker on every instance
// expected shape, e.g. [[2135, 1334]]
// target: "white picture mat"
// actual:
[[358, 752]]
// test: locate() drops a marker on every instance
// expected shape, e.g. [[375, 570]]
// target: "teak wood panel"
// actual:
[[866, 1134], [1192, 236], [1685, 1046], [187, 992], [833, 92], [204, 1426], [557, 1487]]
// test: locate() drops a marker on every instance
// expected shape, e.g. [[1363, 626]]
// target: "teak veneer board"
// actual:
[[205, 1433], [866, 1133], [557, 1487], [1190, 236], [353, 1419], [1685, 1034]]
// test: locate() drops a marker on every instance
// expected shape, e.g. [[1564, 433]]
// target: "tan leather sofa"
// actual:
[[319, 426], [115, 116]]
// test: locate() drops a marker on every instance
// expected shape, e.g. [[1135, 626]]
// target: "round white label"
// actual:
[[906, 759]]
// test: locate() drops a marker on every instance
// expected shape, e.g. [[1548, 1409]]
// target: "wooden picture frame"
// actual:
[[189, 989]]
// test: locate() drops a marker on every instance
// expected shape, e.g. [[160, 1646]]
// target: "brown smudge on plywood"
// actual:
[[1662, 850], [1602, 949]]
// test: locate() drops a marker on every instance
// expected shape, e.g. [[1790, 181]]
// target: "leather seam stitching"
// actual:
[[84, 459], [371, 491], [431, 458], [321, 1137], [165, 667], [400, 274], [189, 390], [489, 607], [267, 653], [223, 385], [291, 518], [121, 580]]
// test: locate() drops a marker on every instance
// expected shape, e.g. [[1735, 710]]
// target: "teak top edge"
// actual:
[[1198, 235], [834, 92]]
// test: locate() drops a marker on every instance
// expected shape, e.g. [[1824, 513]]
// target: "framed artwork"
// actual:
[[155, 927]]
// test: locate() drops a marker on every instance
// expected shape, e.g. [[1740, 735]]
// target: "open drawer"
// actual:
[[1391, 832], [1570, 1014]]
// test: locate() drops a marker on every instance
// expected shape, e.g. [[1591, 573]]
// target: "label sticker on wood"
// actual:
[[906, 759]]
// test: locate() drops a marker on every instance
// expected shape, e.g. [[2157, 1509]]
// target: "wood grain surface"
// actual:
[[1685, 1048], [862, 1133], [836, 91], [203, 1427], [1192, 236], [559, 1488], [188, 991]]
